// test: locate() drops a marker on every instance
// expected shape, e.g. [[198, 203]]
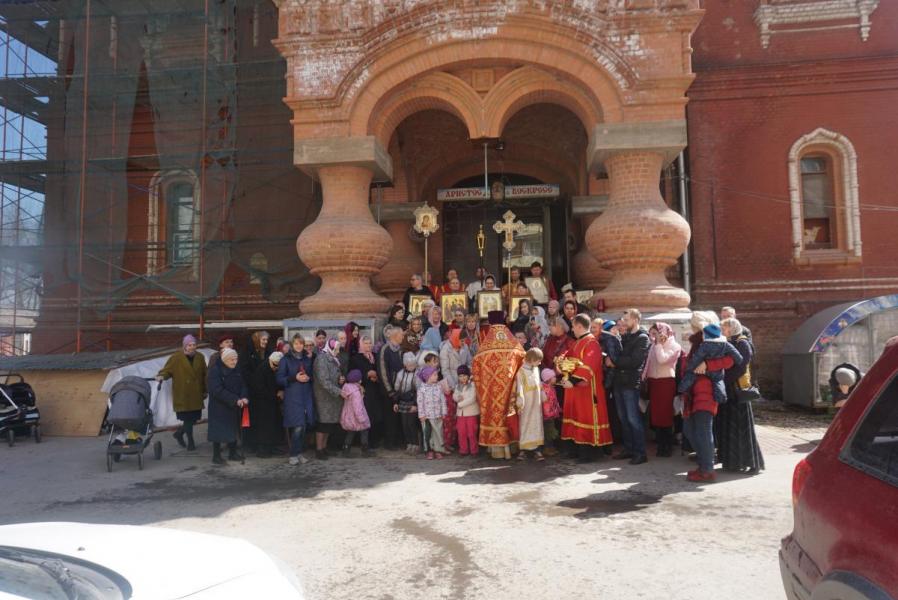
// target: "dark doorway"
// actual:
[[544, 239]]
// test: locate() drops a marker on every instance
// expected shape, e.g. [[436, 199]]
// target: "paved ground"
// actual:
[[396, 527]]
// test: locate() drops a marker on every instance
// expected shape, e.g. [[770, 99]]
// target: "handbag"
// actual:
[[748, 394]]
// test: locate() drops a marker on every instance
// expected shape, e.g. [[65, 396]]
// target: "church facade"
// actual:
[[666, 154]]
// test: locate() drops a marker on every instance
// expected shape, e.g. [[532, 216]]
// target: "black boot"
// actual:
[[179, 437], [216, 455], [368, 452], [233, 454], [191, 446], [321, 454], [346, 452]]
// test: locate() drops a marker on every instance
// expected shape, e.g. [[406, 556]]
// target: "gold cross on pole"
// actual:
[[508, 227]]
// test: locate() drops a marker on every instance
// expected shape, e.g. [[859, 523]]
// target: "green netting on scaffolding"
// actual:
[[170, 161]]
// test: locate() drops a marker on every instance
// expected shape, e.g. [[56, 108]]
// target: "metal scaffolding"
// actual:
[[107, 108]]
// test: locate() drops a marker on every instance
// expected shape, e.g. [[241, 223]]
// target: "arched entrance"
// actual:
[[620, 72]]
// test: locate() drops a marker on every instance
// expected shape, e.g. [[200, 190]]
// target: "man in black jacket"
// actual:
[[627, 376]]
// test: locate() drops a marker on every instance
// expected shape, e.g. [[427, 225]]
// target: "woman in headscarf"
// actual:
[[327, 382], [558, 342], [187, 370], [225, 341], [538, 329], [366, 362], [737, 443], [471, 334], [436, 331], [453, 354], [295, 377], [414, 335], [227, 397], [265, 429], [660, 375]]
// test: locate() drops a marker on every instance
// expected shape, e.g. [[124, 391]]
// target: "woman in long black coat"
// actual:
[[265, 429], [227, 397], [366, 362], [737, 443]]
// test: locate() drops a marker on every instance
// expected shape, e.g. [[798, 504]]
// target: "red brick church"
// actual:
[[249, 160]]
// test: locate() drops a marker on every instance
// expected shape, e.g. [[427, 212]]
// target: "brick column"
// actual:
[[638, 236], [345, 247]]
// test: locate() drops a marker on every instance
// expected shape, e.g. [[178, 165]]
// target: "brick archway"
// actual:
[[530, 85], [434, 91], [357, 69]]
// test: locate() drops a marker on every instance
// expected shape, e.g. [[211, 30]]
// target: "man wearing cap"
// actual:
[[494, 368], [187, 370]]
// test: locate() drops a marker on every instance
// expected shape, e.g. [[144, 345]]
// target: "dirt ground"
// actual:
[[395, 527]]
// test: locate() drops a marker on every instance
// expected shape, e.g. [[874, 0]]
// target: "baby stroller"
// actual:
[[130, 421], [18, 413]]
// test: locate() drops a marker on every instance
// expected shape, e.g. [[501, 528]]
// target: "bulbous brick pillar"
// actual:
[[638, 236], [345, 247], [587, 272], [407, 258]]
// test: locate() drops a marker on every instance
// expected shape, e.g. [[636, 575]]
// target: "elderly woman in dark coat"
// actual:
[[327, 379], [737, 444], [265, 429], [227, 397], [295, 376]]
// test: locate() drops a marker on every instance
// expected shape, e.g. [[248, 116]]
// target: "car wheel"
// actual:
[[36, 432], [109, 463], [10, 437], [157, 450]]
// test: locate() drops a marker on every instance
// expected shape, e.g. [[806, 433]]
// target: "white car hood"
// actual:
[[163, 563]]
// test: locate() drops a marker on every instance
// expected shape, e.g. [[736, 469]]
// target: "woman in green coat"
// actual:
[[187, 370]]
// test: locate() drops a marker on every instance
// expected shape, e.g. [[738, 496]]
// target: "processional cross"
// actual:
[[508, 227]]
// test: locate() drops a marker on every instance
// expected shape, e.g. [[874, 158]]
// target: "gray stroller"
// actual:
[[130, 421]]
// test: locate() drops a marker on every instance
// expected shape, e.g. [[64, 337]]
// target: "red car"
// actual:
[[844, 545]]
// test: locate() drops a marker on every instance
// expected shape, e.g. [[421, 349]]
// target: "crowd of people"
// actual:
[[553, 379]]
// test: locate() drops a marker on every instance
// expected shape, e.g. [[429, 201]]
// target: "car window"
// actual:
[[874, 446]]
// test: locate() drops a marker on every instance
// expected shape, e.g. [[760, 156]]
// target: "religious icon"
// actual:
[[516, 305], [487, 301], [452, 302], [426, 220], [537, 287], [584, 296], [497, 191], [415, 302]]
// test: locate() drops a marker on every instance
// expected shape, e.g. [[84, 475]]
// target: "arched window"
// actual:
[[823, 191], [173, 221]]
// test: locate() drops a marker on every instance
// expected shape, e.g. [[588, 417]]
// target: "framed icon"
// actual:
[[452, 301], [516, 306], [416, 302], [584, 296], [537, 287], [487, 301]]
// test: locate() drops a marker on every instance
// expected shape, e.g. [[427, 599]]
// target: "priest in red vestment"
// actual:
[[585, 416], [494, 368]]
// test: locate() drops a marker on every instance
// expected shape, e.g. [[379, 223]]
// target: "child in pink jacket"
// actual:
[[354, 417]]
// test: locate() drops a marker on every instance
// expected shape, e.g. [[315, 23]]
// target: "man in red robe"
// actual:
[[585, 416], [494, 368]]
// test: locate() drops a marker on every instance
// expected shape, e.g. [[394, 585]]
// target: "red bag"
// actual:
[[244, 422]]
